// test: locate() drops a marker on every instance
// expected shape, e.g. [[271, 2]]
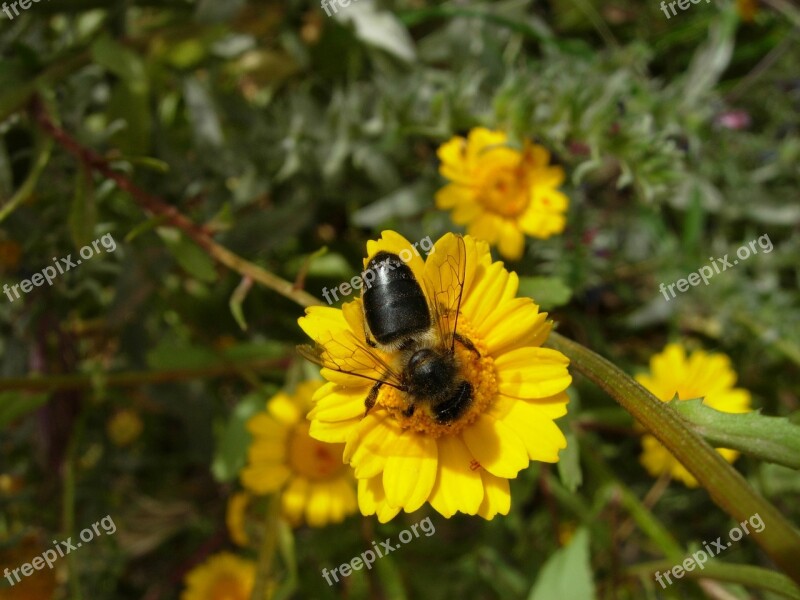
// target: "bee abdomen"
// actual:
[[454, 407], [394, 304]]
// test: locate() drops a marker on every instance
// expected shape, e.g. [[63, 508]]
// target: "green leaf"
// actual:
[[237, 298], [82, 212], [121, 61], [189, 255], [567, 573], [569, 466], [773, 439], [231, 454], [380, 29], [547, 292], [13, 405]]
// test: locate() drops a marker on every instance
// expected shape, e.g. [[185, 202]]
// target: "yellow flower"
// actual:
[[223, 576], [319, 487], [518, 389], [701, 375], [125, 427], [236, 516], [500, 193]]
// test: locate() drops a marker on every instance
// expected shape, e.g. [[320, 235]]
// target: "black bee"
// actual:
[[409, 337]]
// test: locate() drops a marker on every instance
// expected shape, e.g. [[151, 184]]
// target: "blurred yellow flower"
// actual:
[[236, 517], [319, 487], [125, 427], [223, 576], [701, 375], [500, 193], [403, 460]]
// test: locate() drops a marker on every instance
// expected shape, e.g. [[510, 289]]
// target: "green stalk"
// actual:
[[754, 577], [266, 554], [727, 488]]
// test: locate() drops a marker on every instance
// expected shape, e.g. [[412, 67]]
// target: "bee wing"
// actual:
[[445, 280], [351, 357]]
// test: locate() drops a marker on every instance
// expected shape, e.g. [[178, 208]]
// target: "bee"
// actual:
[[409, 337]]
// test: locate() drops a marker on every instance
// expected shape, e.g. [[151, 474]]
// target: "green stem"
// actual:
[[727, 488], [68, 514], [755, 577], [266, 555]]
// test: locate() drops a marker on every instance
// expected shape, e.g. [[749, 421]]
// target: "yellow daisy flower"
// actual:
[[236, 517], [319, 487], [701, 375], [223, 576], [403, 460], [500, 193], [124, 427]]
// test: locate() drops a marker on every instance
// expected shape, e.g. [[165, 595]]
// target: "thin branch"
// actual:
[[80, 381]]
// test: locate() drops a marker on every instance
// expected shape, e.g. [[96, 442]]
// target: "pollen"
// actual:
[[479, 371]]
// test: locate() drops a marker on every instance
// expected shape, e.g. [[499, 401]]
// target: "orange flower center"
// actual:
[[479, 371], [505, 188], [227, 587], [313, 459]]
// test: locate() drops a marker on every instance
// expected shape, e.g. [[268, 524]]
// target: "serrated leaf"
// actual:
[[567, 573], [83, 212], [774, 439], [547, 292]]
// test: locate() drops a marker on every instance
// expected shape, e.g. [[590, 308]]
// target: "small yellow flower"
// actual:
[[319, 486], [125, 427], [518, 389], [223, 576], [500, 193], [236, 517], [701, 375]]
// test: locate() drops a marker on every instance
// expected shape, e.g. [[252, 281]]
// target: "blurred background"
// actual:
[[290, 138]]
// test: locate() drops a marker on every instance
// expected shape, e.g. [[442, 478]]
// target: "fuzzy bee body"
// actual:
[[417, 331]]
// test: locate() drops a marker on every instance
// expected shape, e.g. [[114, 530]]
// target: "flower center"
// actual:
[[227, 587], [311, 458], [505, 186], [478, 371]]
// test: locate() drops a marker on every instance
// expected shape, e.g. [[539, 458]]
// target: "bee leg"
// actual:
[[409, 411], [369, 402], [466, 343]]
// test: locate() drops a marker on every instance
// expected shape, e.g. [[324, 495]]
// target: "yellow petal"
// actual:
[[453, 195], [496, 447], [285, 409], [458, 487], [496, 496], [367, 445], [339, 404], [532, 372], [515, 324], [318, 505], [334, 432], [511, 242], [533, 424], [264, 478], [372, 500], [410, 470], [294, 499]]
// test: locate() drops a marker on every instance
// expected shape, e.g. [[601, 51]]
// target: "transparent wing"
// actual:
[[348, 355], [445, 281]]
